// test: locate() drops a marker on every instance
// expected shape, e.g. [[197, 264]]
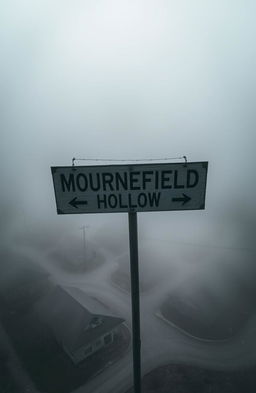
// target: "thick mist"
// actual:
[[130, 80], [133, 80]]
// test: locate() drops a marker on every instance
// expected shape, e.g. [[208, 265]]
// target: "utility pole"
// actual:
[[84, 227]]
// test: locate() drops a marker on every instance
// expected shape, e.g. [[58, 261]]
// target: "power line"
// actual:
[[204, 245]]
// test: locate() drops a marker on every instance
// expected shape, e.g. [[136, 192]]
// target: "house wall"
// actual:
[[72, 357], [87, 350]]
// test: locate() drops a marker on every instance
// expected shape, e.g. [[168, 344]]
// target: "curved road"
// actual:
[[161, 343]]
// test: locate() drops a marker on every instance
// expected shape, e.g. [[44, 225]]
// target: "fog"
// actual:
[[129, 80]]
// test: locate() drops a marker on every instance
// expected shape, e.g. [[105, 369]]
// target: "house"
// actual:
[[79, 331]]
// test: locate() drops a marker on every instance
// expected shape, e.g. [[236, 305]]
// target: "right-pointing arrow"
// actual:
[[183, 199]]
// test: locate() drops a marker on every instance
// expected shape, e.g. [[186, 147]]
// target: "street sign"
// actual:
[[130, 188]]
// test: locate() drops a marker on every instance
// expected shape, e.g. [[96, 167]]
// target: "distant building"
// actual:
[[79, 331]]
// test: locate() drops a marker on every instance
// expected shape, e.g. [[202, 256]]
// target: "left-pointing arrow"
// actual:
[[75, 203]]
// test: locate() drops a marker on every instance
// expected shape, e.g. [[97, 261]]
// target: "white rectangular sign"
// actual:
[[130, 188]]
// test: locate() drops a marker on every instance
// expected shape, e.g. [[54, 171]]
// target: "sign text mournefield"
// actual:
[[130, 188]]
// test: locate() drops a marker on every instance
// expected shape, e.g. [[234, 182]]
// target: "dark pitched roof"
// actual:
[[72, 323]]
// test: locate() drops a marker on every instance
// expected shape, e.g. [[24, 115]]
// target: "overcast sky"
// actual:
[[131, 79]]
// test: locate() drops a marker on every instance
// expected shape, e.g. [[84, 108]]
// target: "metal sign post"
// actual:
[[131, 189], [135, 297]]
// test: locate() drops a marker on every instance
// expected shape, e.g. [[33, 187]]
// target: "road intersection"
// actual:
[[161, 342]]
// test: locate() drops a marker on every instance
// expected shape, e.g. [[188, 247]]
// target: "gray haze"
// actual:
[[130, 79], [135, 79]]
